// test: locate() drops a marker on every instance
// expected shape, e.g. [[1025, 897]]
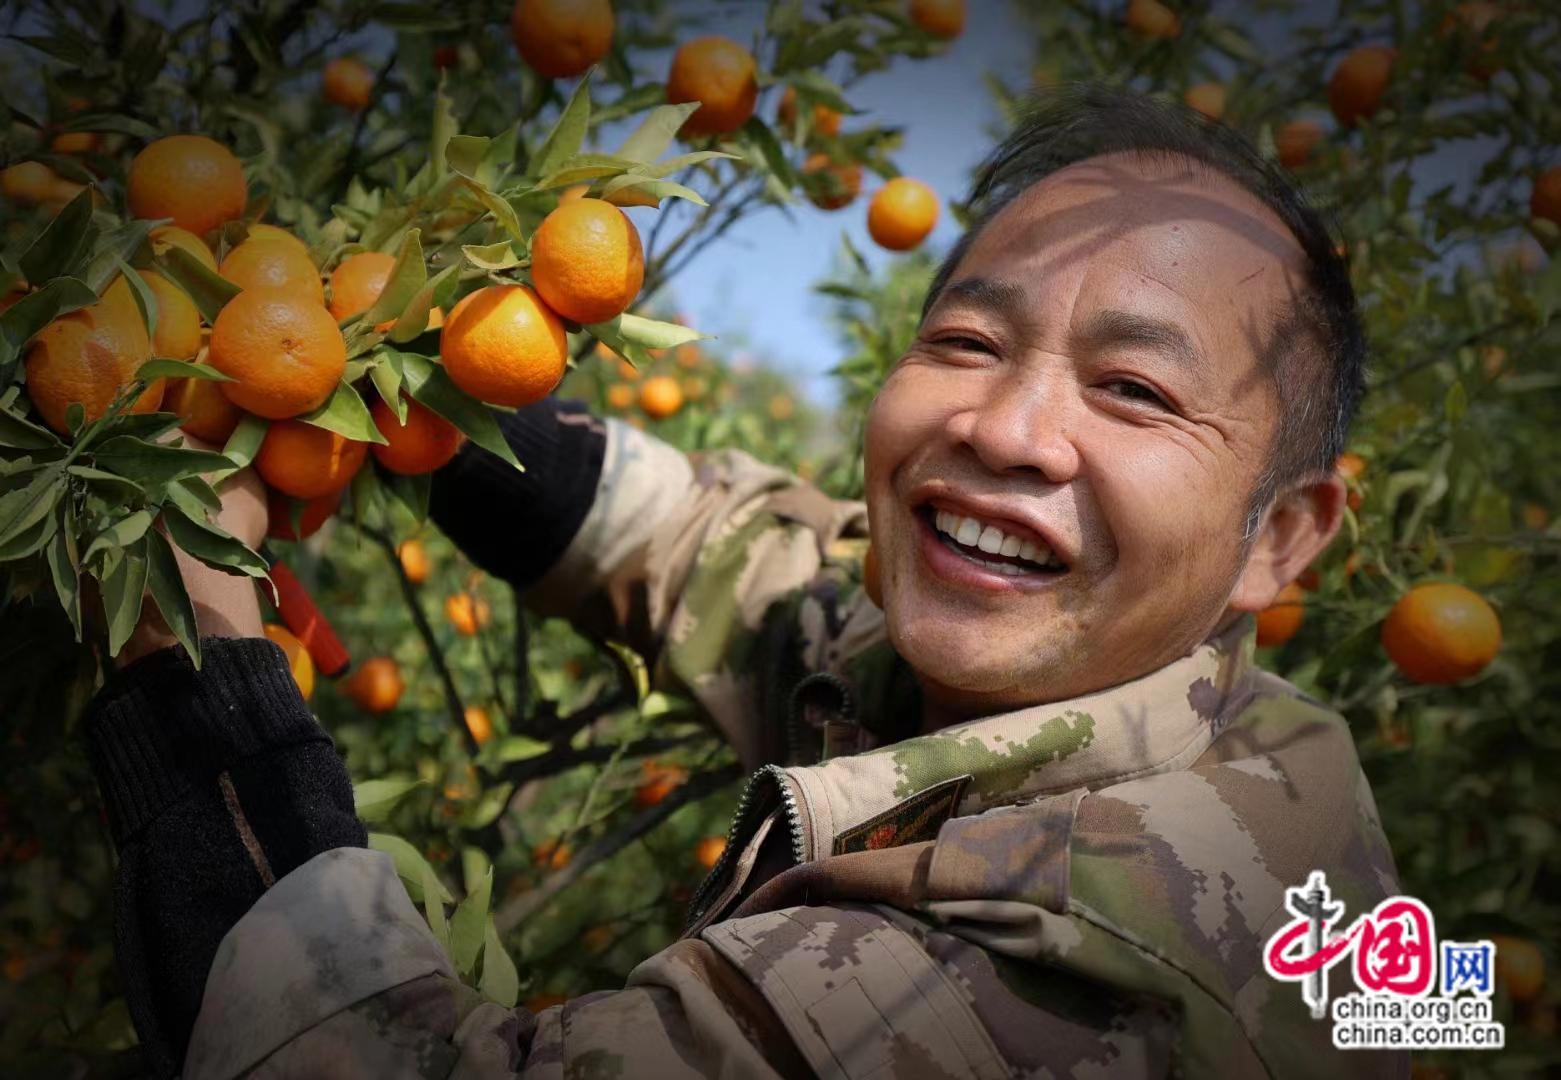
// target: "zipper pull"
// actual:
[[822, 705]]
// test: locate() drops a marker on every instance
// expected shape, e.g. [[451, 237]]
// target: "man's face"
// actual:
[[1094, 389]]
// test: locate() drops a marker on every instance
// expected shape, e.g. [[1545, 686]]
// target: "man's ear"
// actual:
[[1299, 524]]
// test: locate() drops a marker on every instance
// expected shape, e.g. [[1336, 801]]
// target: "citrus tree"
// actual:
[[1431, 134], [327, 242]]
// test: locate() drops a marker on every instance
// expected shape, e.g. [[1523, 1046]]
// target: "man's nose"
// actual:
[[1023, 423]]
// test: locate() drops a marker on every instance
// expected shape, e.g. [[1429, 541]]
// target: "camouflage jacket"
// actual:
[[1081, 888]]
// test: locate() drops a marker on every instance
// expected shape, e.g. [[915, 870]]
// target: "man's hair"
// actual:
[[1316, 351]]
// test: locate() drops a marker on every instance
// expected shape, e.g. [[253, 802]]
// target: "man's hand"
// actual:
[[226, 605]]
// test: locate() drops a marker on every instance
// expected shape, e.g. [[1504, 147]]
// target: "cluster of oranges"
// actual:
[[564, 38], [1436, 633]]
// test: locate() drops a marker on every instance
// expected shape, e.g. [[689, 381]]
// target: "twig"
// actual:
[[516, 911]]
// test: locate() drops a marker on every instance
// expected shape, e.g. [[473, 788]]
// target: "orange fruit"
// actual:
[[709, 850], [552, 854], [357, 282], [688, 355], [205, 410], [1520, 967], [1153, 19], [461, 609], [426, 442], [414, 560], [1277, 623], [1359, 83], [169, 236], [658, 781], [298, 660], [1493, 361], [1351, 466], [872, 577], [1441, 633], [660, 397], [283, 349], [503, 345], [190, 178], [1545, 200], [561, 38], [587, 262], [597, 939], [307, 462], [1535, 516], [781, 407], [719, 74], [940, 18], [902, 213], [540, 1002], [27, 182], [694, 388], [349, 82], [1472, 24], [86, 356], [620, 396], [573, 192], [1310, 579], [259, 231], [264, 263], [62, 191], [178, 333], [376, 685], [826, 121], [1207, 98], [316, 512], [1295, 142], [478, 724], [830, 186], [628, 372], [74, 142]]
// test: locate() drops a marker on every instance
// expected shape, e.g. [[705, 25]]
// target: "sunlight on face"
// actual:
[[1087, 408]]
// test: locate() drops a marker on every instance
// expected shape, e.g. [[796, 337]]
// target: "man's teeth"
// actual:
[[989, 538]]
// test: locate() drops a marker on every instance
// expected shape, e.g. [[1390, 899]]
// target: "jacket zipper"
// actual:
[[750, 809]]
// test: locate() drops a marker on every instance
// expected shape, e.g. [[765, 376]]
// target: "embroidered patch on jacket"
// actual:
[[917, 818]]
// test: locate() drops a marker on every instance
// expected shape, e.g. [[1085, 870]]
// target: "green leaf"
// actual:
[[769, 148], [21, 510], [386, 377], [345, 414], [64, 567], [433, 907], [114, 249], [656, 132], [412, 492], [502, 211], [164, 368], [584, 167], [465, 153], [647, 333], [411, 867], [633, 665], [60, 249], [120, 487], [430, 385], [36, 310], [444, 129], [414, 319], [20, 434], [408, 276], [374, 799], [682, 161], [171, 596], [488, 807], [121, 534], [499, 256], [519, 748], [568, 134], [469, 924], [242, 446], [124, 587], [656, 189], [150, 463], [500, 982], [145, 300], [1456, 403], [209, 291], [209, 543]]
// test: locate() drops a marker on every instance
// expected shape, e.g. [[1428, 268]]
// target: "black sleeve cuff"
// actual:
[[159, 727], [516, 525]]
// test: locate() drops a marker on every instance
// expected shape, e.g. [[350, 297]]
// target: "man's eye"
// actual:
[[1136, 391], [964, 343]]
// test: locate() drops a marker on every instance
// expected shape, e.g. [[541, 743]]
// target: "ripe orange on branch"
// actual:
[[299, 662], [1277, 623], [719, 74], [263, 263], [261, 231], [478, 723], [587, 262], [1295, 142], [660, 397], [357, 282], [414, 560], [1545, 200], [1359, 83], [1207, 98], [503, 345], [826, 121], [88, 356], [831, 186], [178, 333], [902, 213], [170, 236], [203, 408], [283, 350], [562, 38], [466, 613], [316, 512], [27, 182], [190, 178], [1152, 19], [348, 82], [708, 851], [74, 142], [940, 18], [424, 443], [1441, 633], [376, 686], [307, 462]]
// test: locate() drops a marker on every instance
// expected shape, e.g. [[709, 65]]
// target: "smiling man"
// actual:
[[1033, 816]]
